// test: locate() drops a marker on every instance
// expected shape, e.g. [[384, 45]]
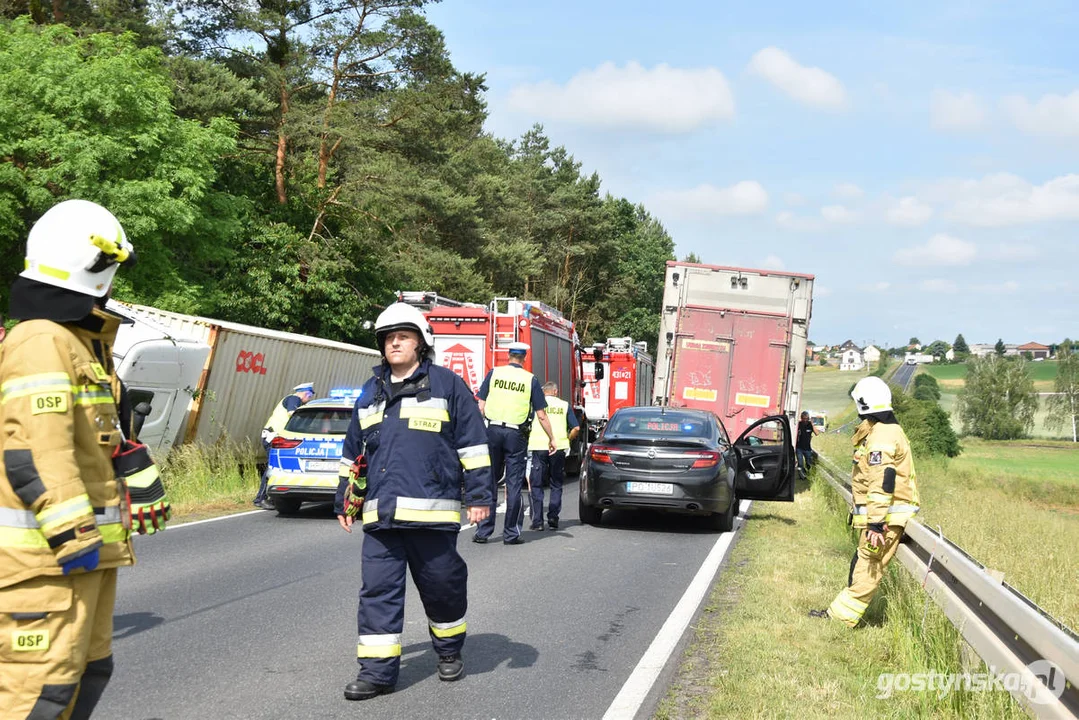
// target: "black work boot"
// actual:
[[360, 689], [450, 668]]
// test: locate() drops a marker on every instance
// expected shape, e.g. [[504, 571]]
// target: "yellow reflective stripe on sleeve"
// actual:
[[472, 463], [92, 395], [423, 413], [448, 629], [882, 498], [66, 511], [22, 538], [31, 384], [379, 646]]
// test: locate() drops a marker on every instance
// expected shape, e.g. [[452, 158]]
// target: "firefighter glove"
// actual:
[[87, 561], [357, 487], [143, 491]]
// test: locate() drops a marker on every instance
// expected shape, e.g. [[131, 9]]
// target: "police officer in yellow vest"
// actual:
[[301, 395], [884, 479], [67, 498], [509, 396], [541, 460]]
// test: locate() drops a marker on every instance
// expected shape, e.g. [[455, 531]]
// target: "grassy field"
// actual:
[[952, 376], [757, 654], [827, 389], [205, 482]]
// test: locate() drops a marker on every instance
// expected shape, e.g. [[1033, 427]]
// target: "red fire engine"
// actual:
[[626, 379], [471, 338]]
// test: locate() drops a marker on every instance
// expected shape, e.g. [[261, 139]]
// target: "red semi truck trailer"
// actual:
[[732, 340]]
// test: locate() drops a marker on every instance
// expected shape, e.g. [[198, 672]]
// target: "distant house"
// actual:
[[983, 349], [871, 354], [851, 359], [950, 355], [1036, 350], [848, 345]]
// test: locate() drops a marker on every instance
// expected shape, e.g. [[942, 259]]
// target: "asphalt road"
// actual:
[[254, 616], [903, 375]]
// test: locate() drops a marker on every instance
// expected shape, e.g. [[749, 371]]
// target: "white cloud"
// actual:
[[1008, 287], [937, 285], [1006, 199], [663, 98], [773, 262], [1015, 252], [1052, 115], [794, 199], [962, 111], [941, 249], [908, 212], [808, 85], [797, 223], [848, 191], [745, 198], [838, 214]]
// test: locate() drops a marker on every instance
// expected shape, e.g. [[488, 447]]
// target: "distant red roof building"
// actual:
[[1036, 350]]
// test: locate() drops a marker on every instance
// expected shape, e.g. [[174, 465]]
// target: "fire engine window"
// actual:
[[565, 349], [552, 360], [539, 354]]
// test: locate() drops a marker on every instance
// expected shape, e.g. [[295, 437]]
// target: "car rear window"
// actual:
[[320, 421], [651, 423]]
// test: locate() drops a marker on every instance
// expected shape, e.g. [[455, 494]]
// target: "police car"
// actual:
[[304, 458]]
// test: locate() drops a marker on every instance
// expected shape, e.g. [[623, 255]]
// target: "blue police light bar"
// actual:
[[346, 393]]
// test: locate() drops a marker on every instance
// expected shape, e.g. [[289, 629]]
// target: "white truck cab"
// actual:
[[160, 370]]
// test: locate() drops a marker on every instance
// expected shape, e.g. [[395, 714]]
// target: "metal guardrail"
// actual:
[[1007, 630]]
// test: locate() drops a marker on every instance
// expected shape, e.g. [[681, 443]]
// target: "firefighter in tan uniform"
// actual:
[[883, 484], [65, 518]]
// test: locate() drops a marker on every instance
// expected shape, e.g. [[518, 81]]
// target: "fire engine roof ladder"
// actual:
[[503, 339]]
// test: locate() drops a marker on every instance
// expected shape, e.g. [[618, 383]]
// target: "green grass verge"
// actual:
[[952, 375], [755, 653], [205, 481]]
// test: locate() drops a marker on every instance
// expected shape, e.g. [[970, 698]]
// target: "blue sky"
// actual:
[[921, 159]]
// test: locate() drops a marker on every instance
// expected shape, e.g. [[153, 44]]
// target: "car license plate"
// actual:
[[650, 488], [322, 465]]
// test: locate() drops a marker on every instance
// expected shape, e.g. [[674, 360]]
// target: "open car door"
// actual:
[[766, 467]]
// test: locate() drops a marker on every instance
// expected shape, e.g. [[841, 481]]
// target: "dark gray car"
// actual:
[[682, 460]]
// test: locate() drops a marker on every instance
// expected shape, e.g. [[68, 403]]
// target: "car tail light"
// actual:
[[600, 453], [281, 443], [704, 459]]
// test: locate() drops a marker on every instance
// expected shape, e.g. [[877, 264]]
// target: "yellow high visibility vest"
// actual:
[[509, 395], [556, 413], [279, 418]]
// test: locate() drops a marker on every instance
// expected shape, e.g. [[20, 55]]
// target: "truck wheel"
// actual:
[[724, 521], [286, 505], [589, 515]]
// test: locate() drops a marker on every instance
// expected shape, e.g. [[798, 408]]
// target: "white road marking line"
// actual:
[[633, 693]]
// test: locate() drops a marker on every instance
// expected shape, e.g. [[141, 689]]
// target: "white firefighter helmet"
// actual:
[[77, 245], [518, 348], [402, 316], [872, 395]]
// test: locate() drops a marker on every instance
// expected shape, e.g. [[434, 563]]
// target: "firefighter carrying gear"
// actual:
[[423, 439], [357, 487], [886, 472], [59, 502]]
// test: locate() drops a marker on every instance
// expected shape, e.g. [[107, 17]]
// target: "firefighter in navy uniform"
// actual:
[[415, 435], [884, 480], [509, 396], [301, 395], [67, 490]]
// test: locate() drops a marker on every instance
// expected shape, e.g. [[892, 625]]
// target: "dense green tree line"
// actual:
[[291, 163]]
